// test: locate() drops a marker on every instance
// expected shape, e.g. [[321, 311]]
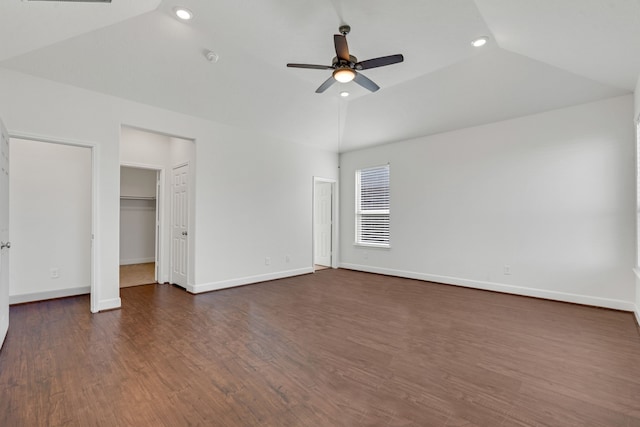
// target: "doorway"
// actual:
[[162, 153], [324, 213], [5, 244], [140, 189], [52, 204]]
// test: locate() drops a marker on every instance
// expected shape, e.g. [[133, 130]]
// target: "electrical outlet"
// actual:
[[506, 269], [55, 273], [267, 261]]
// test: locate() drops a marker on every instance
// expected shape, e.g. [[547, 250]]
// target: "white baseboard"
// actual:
[[137, 261], [499, 287], [41, 296], [223, 284], [109, 304]]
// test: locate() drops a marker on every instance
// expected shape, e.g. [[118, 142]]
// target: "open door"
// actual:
[[4, 233], [323, 223]]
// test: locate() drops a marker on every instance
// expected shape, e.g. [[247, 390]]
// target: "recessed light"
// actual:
[[344, 94], [480, 41], [183, 13]]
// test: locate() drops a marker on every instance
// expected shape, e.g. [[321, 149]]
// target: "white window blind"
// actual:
[[372, 206]]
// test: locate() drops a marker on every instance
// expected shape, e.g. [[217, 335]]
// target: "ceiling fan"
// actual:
[[345, 66]]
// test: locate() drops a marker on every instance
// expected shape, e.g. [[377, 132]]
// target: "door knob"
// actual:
[[5, 245], [184, 233]]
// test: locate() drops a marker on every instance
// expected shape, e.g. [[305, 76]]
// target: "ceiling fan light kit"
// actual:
[[346, 66], [344, 75]]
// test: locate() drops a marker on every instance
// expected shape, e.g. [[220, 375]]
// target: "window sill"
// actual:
[[371, 245]]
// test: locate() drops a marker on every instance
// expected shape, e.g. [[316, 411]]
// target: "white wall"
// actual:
[[551, 196], [258, 204], [137, 215], [137, 231], [252, 192], [137, 182], [636, 95], [50, 211]]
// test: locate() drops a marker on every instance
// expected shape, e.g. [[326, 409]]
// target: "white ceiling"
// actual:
[[542, 55]]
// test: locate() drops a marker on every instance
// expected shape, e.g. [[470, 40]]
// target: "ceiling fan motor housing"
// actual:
[[337, 63]]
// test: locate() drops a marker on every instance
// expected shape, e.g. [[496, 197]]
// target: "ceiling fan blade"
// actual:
[[324, 86], [342, 49], [366, 82], [313, 67], [379, 62]]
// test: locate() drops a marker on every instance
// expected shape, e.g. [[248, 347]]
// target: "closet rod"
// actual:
[[137, 198]]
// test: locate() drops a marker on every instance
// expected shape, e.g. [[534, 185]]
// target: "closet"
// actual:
[[138, 218]]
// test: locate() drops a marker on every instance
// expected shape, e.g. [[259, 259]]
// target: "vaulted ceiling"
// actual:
[[541, 55]]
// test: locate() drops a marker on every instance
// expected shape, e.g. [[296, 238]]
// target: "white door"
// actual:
[[179, 225], [4, 233], [322, 223], [158, 226]]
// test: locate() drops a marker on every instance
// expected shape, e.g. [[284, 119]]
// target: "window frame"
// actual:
[[364, 213]]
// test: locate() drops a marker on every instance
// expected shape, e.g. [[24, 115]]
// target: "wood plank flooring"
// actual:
[[334, 348], [137, 274]]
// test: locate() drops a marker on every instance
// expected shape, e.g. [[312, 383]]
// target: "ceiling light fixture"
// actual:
[[344, 75], [344, 94], [480, 41], [183, 13]]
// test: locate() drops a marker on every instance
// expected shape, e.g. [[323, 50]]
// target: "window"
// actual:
[[372, 206]]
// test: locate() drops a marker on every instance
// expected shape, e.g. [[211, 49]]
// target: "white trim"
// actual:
[[95, 206], [132, 261], [95, 243], [334, 221], [41, 296], [136, 165], [223, 284], [373, 245], [179, 165], [161, 275], [500, 287], [110, 304]]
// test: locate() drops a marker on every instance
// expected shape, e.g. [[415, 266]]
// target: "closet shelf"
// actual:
[[137, 198]]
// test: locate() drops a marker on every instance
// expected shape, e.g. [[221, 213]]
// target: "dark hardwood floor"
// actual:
[[335, 348]]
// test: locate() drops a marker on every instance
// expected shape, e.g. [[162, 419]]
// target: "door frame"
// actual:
[[334, 221], [160, 260], [95, 185]]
